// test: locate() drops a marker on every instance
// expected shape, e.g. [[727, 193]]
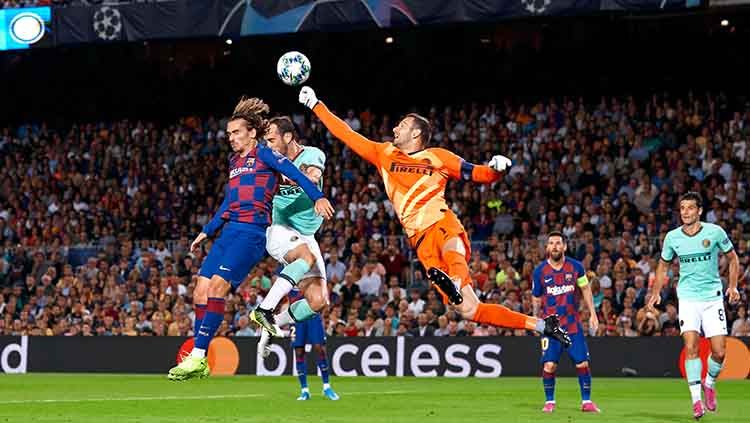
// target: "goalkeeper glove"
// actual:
[[499, 162], [307, 97]]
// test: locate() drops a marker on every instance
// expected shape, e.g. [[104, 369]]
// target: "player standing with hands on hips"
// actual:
[[699, 291]]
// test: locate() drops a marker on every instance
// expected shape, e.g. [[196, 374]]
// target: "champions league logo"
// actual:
[[107, 23], [255, 21], [536, 6]]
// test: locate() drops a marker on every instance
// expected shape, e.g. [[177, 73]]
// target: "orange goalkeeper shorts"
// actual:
[[429, 242]]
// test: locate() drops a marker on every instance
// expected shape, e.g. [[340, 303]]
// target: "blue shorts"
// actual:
[[235, 252], [310, 331], [578, 350]]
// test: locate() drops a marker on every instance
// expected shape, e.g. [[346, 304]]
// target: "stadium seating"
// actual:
[[96, 219]]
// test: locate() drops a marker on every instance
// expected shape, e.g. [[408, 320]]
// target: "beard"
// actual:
[[689, 221], [556, 256]]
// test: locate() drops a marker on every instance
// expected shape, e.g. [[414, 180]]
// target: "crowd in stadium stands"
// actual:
[[9, 4], [96, 218]]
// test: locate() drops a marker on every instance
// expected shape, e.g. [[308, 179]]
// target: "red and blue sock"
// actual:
[[301, 370], [584, 381], [200, 313], [548, 381], [211, 321], [323, 366]]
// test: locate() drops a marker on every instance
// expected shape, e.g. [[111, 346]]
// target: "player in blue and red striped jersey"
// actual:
[[554, 288], [245, 213]]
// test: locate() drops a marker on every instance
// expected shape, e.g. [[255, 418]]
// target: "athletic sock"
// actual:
[[211, 321], [548, 381], [584, 381], [323, 366], [301, 370], [714, 368], [200, 313], [693, 368]]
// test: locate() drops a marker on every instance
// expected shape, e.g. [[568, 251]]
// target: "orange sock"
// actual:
[[457, 267], [493, 314], [502, 316]]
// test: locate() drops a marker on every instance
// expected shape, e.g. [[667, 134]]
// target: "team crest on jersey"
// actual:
[[250, 162], [568, 277], [706, 243]]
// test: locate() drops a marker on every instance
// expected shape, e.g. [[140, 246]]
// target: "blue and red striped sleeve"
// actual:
[[536, 281]]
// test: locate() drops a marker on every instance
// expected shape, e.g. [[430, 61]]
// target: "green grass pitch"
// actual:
[[149, 398]]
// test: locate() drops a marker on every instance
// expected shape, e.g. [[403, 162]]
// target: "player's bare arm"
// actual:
[[588, 297], [536, 304], [659, 280], [734, 272], [196, 244], [313, 173]]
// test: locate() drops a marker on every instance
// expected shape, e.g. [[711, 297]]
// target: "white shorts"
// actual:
[[281, 239], [708, 315]]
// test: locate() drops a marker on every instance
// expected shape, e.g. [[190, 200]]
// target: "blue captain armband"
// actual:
[[467, 169]]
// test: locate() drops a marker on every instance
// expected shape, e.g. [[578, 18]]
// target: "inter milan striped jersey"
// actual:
[[253, 182], [291, 207], [558, 291], [699, 261]]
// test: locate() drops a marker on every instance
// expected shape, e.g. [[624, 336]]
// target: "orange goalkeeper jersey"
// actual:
[[415, 183]]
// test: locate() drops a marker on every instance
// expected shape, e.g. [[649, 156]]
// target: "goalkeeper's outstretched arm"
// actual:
[[365, 148]]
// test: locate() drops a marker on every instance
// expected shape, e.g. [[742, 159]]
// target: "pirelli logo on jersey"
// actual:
[[418, 169], [695, 258]]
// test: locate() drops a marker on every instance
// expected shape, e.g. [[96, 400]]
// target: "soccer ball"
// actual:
[[293, 68]]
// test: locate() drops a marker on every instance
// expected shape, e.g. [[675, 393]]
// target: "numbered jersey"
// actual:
[[699, 260]]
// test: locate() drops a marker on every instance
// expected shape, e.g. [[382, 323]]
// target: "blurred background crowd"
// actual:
[[96, 218]]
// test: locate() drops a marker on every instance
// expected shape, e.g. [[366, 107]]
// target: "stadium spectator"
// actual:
[[95, 220]]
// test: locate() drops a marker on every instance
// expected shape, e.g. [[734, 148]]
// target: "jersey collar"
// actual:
[[301, 149], [561, 267], [688, 235]]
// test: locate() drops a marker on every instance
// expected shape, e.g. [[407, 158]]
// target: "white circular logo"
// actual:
[[107, 23], [536, 6], [26, 28]]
